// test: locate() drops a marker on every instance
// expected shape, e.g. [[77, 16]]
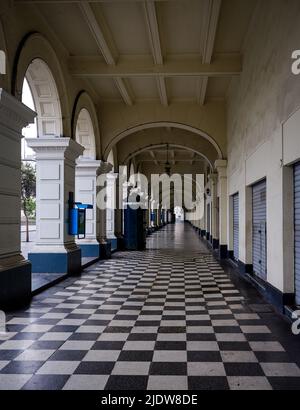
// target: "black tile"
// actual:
[[46, 382], [243, 369], [234, 346], [285, 383], [22, 367], [169, 345], [135, 356], [84, 336], [127, 383], [117, 329], [9, 354], [105, 345], [73, 355], [95, 368], [142, 337], [201, 337], [168, 369], [207, 383], [205, 357], [273, 357], [45, 344]]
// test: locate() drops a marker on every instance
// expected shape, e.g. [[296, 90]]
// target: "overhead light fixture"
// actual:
[[168, 165]]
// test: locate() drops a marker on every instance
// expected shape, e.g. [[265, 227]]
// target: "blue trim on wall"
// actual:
[[90, 250], [113, 244], [69, 262]]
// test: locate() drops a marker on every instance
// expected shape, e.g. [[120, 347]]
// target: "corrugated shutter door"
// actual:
[[297, 231], [259, 229], [236, 229]]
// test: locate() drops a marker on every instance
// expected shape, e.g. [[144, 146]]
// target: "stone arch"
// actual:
[[84, 104], [35, 47], [46, 99], [85, 135], [146, 148], [163, 124]]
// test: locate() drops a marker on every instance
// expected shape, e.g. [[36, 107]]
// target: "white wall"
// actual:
[[260, 141]]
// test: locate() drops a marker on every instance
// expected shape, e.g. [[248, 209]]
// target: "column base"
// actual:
[[215, 243], [120, 243], [223, 252], [15, 284], [113, 243], [68, 261], [105, 250], [203, 233]]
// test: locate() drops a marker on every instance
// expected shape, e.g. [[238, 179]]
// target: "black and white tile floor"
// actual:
[[167, 318]]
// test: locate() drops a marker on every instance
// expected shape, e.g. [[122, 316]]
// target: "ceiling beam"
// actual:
[[155, 45], [162, 90], [97, 31], [173, 156], [139, 66], [210, 26]]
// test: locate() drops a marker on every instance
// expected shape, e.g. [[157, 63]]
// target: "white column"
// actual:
[[221, 167], [55, 250], [110, 212], [15, 271], [105, 246], [213, 178], [85, 192]]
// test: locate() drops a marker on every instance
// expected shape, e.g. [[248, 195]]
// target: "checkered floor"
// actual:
[[167, 318]]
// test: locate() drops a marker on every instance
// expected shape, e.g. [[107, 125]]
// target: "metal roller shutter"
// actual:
[[259, 229], [297, 230], [236, 228]]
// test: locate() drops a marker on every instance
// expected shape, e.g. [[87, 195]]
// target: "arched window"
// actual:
[[85, 135]]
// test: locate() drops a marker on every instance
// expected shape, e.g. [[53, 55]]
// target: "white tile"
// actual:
[[248, 383], [77, 345], [238, 357], [13, 381], [131, 368], [3, 363], [55, 336], [266, 347], [170, 356], [16, 344], [203, 346], [101, 356], [202, 369], [58, 367], [37, 328], [86, 382], [255, 329], [35, 355], [167, 383], [281, 369], [139, 345], [231, 337]]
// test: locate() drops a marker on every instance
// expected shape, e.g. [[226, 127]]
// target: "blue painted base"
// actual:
[[15, 287], [113, 244], [68, 262], [90, 251]]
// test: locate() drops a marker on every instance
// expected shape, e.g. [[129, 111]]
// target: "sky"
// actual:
[[31, 130]]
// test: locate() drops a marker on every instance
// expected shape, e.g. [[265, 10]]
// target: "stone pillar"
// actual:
[[110, 212], [15, 271], [55, 250], [158, 217], [221, 167], [105, 245], [213, 178], [119, 214], [85, 192]]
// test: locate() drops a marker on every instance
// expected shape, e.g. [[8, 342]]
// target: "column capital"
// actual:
[[55, 148], [221, 167], [87, 166], [13, 113], [105, 168]]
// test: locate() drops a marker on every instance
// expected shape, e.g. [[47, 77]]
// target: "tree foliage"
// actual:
[[28, 193]]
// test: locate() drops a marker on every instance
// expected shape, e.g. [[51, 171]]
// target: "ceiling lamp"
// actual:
[[168, 165]]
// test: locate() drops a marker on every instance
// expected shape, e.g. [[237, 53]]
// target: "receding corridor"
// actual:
[[166, 318]]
